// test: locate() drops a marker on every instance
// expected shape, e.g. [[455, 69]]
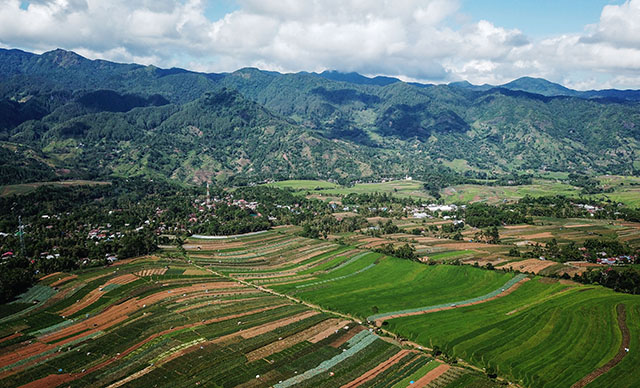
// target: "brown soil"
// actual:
[[256, 331], [536, 235], [347, 336], [432, 375], [290, 341], [517, 226], [372, 373], [337, 325], [212, 303], [529, 265], [57, 379], [152, 271], [94, 295], [10, 337], [505, 293], [63, 280], [578, 226], [106, 319], [50, 275], [248, 333], [626, 339]]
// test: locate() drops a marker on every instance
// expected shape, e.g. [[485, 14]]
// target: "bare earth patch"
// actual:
[[432, 375], [529, 265], [371, 374]]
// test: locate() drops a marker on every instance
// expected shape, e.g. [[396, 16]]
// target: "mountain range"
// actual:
[[63, 115]]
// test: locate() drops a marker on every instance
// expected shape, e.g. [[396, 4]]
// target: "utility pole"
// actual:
[[21, 234]]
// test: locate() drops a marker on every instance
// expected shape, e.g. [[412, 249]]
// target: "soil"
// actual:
[[50, 275], [529, 265], [94, 295], [347, 336], [372, 373], [58, 379], [337, 325], [153, 271], [432, 375], [256, 331], [63, 280], [290, 341]]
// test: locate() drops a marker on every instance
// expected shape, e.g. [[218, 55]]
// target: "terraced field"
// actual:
[[162, 321], [536, 333], [279, 310]]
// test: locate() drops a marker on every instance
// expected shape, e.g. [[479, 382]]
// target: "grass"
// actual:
[[8, 190], [495, 194], [396, 284], [417, 374], [451, 255], [209, 326], [538, 335], [304, 184]]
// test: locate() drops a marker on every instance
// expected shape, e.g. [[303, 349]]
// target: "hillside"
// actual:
[[91, 118]]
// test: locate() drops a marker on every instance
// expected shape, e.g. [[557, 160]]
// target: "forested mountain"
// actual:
[[62, 115]]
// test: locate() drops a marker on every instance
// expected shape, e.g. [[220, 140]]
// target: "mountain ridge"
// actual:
[[96, 118]]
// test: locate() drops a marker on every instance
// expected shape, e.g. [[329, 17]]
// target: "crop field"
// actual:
[[495, 194], [324, 190], [626, 189], [166, 321], [276, 309], [534, 331], [305, 185]]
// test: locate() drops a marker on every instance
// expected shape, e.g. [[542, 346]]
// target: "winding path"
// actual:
[[622, 352]]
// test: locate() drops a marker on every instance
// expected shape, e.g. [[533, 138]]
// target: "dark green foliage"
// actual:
[[482, 215], [15, 278], [405, 251], [96, 117], [625, 280]]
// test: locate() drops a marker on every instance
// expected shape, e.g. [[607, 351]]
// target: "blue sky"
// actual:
[[583, 44], [539, 18]]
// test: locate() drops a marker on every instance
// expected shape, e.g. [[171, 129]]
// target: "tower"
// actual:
[[208, 195], [21, 234]]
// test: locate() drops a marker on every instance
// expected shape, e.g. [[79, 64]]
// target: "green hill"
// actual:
[[93, 118]]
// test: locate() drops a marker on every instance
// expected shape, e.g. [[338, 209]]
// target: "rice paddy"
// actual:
[[276, 309]]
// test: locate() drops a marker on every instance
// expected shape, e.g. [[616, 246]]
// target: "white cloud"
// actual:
[[429, 40]]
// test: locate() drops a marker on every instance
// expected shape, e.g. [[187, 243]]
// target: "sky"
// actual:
[[582, 44]]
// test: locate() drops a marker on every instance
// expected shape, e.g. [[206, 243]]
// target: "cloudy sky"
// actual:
[[583, 44]]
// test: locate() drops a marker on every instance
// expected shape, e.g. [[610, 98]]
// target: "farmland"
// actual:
[[277, 309], [625, 189], [541, 333], [162, 320]]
